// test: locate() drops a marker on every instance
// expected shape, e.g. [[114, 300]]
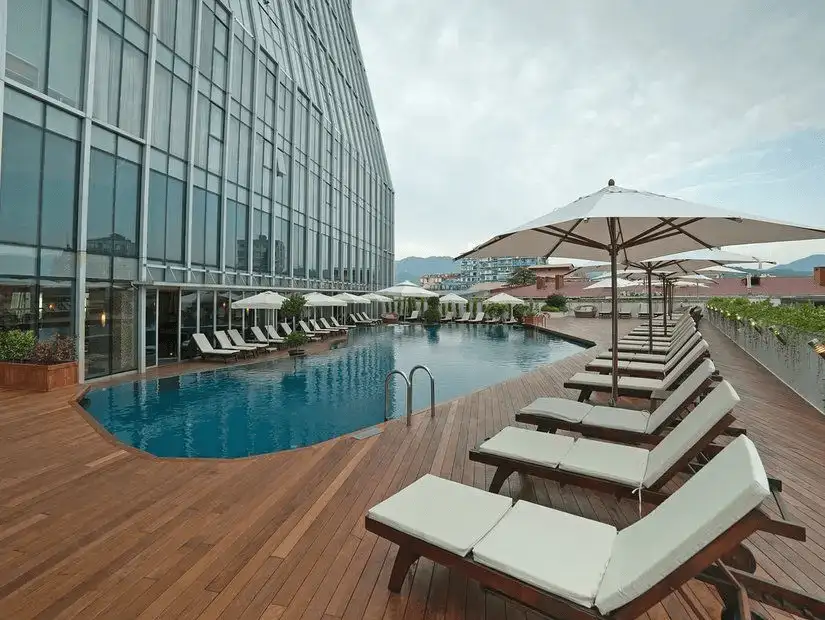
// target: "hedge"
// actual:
[[802, 317]]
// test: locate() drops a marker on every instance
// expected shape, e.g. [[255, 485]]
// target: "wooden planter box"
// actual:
[[37, 377]]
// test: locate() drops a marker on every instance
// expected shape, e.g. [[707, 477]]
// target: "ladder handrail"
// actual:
[[408, 394], [432, 388]]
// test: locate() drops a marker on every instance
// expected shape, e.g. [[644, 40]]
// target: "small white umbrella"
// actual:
[[695, 276], [452, 298], [267, 300], [686, 283], [319, 300], [406, 289], [503, 298], [349, 298], [721, 269], [376, 297], [620, 283]]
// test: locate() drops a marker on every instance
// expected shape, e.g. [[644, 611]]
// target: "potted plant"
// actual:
[[41, 366], [295, 341], [432, 315], [292, 307]]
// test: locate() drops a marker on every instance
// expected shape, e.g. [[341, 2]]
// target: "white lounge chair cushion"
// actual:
[[560, 553], [608, 461], [529, 446], [608, 364], [606, 381], [687, 433], [678, 397], [708, 504], [614, 417], [558, 409], [447, 514]]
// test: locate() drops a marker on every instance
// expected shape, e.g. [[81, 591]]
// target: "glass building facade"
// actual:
[[161, 158]]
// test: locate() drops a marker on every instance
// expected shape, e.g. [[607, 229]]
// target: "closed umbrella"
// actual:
[[628, 226]]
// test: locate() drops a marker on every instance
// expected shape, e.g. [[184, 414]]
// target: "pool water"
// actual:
[[287, 403]]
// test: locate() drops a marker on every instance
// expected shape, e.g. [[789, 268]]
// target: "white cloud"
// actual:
[[495, 112]]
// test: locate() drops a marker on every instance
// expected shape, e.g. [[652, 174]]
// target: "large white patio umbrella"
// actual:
[[377, 298], [268, 300], [452, 298], [349, 298], [505, 299], [628, 226], [688, 283], [618, 283], [319, 300], [406, 289], [720, 269]]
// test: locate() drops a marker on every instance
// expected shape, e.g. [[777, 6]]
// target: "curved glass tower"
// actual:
[[161, 158]]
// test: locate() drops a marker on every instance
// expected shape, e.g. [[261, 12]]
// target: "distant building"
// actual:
[[441, 281], [475, 270]]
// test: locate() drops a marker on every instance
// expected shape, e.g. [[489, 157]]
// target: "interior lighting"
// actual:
[[778, 334], [818, 347], [756, 326]]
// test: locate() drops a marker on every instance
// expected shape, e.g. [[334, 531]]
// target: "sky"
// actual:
[[494, 113]]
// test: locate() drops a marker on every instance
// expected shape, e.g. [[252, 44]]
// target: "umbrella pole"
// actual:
[[614, 314], [650, 309]]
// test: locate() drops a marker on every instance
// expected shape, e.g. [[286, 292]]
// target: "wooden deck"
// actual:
[[89, 530]]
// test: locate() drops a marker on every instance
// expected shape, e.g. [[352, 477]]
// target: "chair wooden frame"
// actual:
[[642, 373], [699, 566]]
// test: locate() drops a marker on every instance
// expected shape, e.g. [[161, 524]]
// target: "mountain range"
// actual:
[[414, 267]]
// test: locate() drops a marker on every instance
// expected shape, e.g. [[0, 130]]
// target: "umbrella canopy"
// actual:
[[406, 289], [503, 298], [319, 300], [628, 226], [452, 298], [620, 283], [689, 283], [349, 298], [268, 300], [686, 262], [721, 269], [376, 297], [695, 276]]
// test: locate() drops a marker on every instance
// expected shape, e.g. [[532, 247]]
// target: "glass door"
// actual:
[[168, 322], [151, 327]]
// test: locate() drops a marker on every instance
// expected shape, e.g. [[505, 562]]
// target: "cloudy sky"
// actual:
[[495, 112]]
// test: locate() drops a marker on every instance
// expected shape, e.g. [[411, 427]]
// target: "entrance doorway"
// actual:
[[168, 326], [151, 327]]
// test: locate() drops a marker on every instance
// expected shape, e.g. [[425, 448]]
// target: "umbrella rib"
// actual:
[[564, 235], [676, 229], [680, 228], [568, 234]]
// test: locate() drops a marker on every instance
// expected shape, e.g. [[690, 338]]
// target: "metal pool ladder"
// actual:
[[408, 381]]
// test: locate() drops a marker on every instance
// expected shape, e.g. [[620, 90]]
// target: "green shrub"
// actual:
[[496, 311], [557, 300], [522, 311], [803, 317], [293, 306], [433, 312], [296, 340], [16, 345]]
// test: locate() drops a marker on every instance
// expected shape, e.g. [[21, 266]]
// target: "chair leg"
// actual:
[[584, 395], [502, 473], [403, 560]]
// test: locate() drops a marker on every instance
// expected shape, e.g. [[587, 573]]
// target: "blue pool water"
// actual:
[[281, 404]]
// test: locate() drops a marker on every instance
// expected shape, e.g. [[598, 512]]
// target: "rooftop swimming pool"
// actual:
[[280, 404]]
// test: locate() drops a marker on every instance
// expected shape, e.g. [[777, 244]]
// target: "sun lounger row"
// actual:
[[360, 318], [567, 566]]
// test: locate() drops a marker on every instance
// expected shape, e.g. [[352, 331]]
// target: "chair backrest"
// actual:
[[708, 505], [685, 341], [334, 321], [414, 314], [202, 343], [236, 337], [363, 316], [287, 329], [223, 340], [465, 316], [272, 332], [324, 323], [625, 308], [352, 318], [304, 327], [480, 316], [314, 325], [256, 331], [680, 395], [683, 350], [695, 425], [697, 351]]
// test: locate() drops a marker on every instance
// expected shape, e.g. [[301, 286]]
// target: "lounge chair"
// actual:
[[657, 327], [641, 355], [207, 351], [643, 346], [356, 321], [272, 333], [492, 320], [621, 470], [641, 387], [672, 335], [605, 310], [326, 325], [317, 329], [479, 318], [447, 318], [635, 426], [238, 341], [625, 310], [572, 568], [335, 323], [655, 370], [585, 311], [288, 330], [510, 321], [465, 318], [367, 317], [413, 316], [225, 343], [305, 328], [261, 339]]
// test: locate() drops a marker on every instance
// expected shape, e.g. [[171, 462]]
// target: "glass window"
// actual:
[[127, 197], [16, 304], [101, 202], [138, 10], [26, 42], [55, 310], [242, 231], [166, 22], [132, 90], [184, 29], [107, 75], [180, 112], [230, 252], [212, 229], [174, 220], [57, 225], [97, 329], [156, 225], [162, 108], [20, 182], [68, 35], [198, 225], [207, 42]]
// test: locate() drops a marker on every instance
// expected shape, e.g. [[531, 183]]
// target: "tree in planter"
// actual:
[[557, 300], [292, 307], [522, 276], [296, 340], [432, 314]]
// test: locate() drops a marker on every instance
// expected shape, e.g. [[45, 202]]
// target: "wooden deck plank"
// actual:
[[92, 530]]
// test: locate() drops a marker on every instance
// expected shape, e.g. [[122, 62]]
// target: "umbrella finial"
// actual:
[[611, 183]]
